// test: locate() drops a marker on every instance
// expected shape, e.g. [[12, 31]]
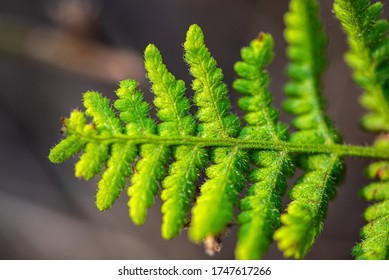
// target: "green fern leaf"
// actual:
[[305, 214], [178, 187], [113, 179], [303, 221], [179, 190], [134, 112], [170, 97], [261, 207], [215, 206], [134, 146], [150, 168], [144, 183], [72, 144], [92, 160], [368, 57], [99, 109], [210, 90], [105, 124]]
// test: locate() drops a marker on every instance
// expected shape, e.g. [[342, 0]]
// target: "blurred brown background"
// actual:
[[52, 51]]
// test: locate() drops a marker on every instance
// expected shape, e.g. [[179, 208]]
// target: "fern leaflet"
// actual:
[[305, 214], [261, 207], [368, 57], [215, 206], [179, 190]]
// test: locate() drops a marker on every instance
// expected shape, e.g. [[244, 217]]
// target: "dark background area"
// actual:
[[53, 51]]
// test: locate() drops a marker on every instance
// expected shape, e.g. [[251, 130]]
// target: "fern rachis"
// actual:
[[258, 155]]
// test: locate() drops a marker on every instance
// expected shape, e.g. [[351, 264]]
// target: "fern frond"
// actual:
[[173, 107], [210, 90], [134, 146], [113, 178], [215, 206], [368, 57], [178, 187], [261, 208], [96, 152], [306, 48], [302, 222], [150, 168]]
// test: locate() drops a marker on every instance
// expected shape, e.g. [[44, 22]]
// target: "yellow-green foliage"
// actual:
[[246, 164], [369, 59], [262, 205], [215, 206], [303, 219]]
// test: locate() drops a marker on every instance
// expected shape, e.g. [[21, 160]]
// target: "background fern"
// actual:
[[264, 141], [368, 57], [305, 214]]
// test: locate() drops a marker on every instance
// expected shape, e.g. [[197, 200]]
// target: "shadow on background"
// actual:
[[53, 51]]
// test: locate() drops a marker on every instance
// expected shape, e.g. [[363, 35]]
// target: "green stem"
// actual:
[[339, 149]]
